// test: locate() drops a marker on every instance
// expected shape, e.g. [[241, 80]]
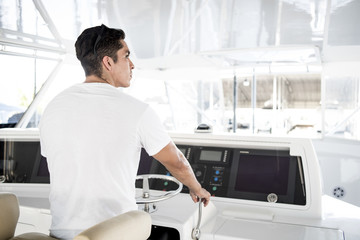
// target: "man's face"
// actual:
[[122, 71]]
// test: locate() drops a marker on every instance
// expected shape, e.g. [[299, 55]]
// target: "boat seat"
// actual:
[[135, 225]]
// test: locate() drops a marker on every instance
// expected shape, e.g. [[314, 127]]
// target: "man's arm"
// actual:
[[174, 161]]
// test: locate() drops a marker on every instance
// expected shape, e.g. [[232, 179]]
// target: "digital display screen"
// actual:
[[210, 155], [40, 172], [43, 168], [263, 174], [2, 162], [145, 163]]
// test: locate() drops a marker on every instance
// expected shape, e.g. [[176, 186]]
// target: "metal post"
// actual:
[[235, 103], [25, 119], [46, 16], [253, 100]]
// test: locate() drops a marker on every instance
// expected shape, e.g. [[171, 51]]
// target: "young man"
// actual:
[[92, 135]]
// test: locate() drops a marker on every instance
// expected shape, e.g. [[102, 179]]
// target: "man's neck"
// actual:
[[95, 79]]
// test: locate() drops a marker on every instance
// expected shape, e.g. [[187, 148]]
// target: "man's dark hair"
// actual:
[[95, 43]]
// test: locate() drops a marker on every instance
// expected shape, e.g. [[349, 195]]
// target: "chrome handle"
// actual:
[[195, 234]]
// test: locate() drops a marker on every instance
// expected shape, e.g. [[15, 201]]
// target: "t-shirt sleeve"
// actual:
[[152, 133]]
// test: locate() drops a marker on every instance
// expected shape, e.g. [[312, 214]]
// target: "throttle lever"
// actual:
[[195, 234]]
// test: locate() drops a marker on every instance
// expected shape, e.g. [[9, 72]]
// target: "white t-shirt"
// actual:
[[92, 135]]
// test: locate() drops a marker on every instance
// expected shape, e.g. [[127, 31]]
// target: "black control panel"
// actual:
[[212, 168], [251, 174]]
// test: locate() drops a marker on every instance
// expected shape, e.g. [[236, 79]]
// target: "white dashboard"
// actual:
[[262, 188]]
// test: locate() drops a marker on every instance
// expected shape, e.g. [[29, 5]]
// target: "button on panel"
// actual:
[[216, 181]]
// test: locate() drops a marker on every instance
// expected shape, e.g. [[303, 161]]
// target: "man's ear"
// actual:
[[107, 62]]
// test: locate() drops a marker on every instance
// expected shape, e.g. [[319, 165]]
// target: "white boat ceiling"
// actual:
[[236, 32]]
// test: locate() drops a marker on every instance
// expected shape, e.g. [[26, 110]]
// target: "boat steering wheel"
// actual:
[[146, 198]]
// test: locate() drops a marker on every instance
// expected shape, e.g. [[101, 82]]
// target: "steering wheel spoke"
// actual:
[[146, 189]]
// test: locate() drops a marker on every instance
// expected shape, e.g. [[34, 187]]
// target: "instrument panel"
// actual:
[[250, 174]]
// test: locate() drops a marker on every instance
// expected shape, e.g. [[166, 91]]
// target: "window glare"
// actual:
[[21, 79]]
